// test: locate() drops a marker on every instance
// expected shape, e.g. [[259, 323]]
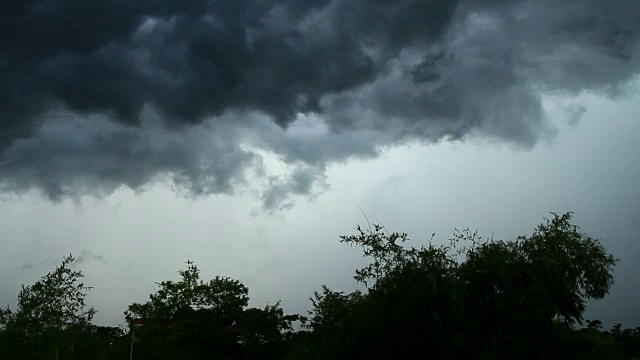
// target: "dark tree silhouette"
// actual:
[[194, 319], [51, 313], [470, 298]]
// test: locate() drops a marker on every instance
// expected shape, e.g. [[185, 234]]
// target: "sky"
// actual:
[[247, 136]]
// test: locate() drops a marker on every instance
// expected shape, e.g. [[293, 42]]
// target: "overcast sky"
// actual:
[[246, 135]]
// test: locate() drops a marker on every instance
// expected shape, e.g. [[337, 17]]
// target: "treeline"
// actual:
[[471, 298]]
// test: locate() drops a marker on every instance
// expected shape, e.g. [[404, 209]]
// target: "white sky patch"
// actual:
[[307, 126]]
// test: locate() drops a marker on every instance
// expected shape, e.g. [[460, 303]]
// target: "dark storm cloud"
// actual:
[[78, 77], [72, 157], [300, 182]]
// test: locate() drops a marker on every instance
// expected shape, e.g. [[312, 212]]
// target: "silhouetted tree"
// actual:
[[51, 314], [471, 298], [193, 319]]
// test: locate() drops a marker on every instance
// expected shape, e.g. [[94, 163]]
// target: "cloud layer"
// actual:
[[97, 96]]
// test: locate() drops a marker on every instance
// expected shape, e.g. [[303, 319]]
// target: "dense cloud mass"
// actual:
[[97, 95]]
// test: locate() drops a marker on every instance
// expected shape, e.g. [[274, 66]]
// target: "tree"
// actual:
[[195, 319], [102, 342], [221, 294], [341, 323], [573, 266], [471, 298], [52, 312], [182, 316], [265, 333]]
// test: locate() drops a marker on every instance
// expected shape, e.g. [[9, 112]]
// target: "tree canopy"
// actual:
[[192, 318], [468, 298], [51, 313]]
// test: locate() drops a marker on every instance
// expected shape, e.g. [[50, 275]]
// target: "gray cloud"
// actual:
[[87, 255], [41, 264], [300, 182], [314, 82], [82, 257], [75, 157]]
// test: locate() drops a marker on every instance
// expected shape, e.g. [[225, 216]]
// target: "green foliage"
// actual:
[[51, 313], [194, 319], [53, 303], [471, 298], [222, 295], [574, 267]]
